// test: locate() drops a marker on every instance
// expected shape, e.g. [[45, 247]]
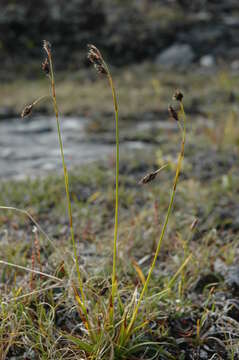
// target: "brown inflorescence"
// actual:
[[27, 110], [45, 66], [173, 113], [96, 59], [149, 177], [178, 95], [47, 46]]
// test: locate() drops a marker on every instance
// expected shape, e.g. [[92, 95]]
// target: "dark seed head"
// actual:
[[47, 46], [27, 111], [173, 113], [45, 66], [151, 176], [178, 95], [96, 59], [148, 178], [94, 53]]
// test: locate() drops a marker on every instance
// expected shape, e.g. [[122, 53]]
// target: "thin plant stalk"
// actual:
[[33, 271], [179, 164], [97, 60], [53, 91], [65, 173], [114, 281]]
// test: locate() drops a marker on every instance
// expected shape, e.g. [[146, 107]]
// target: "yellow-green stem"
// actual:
[[65, 174], [181, 155], [67, 192], [114, 282]]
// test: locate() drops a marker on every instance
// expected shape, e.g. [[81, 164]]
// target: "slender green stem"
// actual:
[[65, 175], [114, 281], [83, 307], [181, 155], [116, 191]]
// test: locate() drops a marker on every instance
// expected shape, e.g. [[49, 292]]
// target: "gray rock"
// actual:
[[177, 55], [235, 65], [220, 267], [203, 355], [207, 61], [232, 278]]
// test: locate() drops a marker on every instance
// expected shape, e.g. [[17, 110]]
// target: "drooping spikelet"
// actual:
[[173, 113], [27, 110], [178, 95], [47, 46], [151, 176], [148, 178], [45, 66], [96, 59]]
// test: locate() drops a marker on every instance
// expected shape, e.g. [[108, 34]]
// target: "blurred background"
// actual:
[[152, 46], [173, 32]]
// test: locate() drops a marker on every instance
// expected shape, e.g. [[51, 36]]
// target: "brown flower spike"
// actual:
[[173, 113], [96, 59], [148, 178], [27, 110], [178, 95], [47, 46], [45, 67], [151, 176]]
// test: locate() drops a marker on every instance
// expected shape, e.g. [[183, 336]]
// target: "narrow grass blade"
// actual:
[[174, 278], [139, 271], [82, 345], [30, 270]]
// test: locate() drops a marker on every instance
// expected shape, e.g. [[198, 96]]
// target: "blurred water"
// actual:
[[30, 147]]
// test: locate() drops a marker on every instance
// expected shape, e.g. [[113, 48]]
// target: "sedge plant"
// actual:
[[114, 332], [47, 67], [126, 331], [101, 66]]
